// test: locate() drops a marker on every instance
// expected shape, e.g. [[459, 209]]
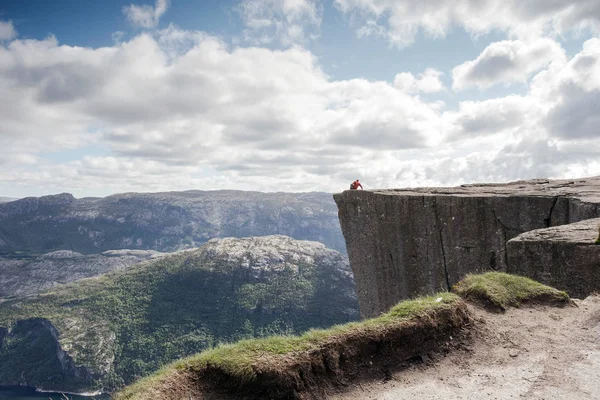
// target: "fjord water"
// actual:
[[22, 393]]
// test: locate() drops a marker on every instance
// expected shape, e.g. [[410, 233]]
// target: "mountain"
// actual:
[[7, 199], [27, 276], [102, 332], [162, 221]]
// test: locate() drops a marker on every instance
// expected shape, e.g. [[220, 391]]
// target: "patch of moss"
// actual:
[[499, 291], [238, 361]]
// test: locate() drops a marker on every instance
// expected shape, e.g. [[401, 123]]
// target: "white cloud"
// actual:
[[145, 16], [287, 21], [501, 116], [506, 62], [187, 100], [426, 82], [574, 112], [180, 109], [7, 30], [401, 21]]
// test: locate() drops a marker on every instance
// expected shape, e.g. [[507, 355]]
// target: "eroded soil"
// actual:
[[529, 353]]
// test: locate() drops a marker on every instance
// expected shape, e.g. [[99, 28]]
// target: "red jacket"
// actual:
[[356, 184]]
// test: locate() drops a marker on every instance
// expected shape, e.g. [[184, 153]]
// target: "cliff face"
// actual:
[[63, 363], [162, 221], [112, 329], [402, 243]]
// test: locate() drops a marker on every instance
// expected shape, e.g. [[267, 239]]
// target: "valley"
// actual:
[[100, 333]]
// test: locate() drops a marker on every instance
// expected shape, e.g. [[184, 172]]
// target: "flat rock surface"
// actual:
[[583, 232], [543, 353], [587, 189]]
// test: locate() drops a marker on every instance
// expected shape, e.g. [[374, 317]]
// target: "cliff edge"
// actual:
[[407, 242]]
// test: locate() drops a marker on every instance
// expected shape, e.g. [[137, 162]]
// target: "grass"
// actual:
[[238, 361], [499, 291]]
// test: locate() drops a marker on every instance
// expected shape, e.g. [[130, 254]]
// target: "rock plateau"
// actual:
[[406, 242]]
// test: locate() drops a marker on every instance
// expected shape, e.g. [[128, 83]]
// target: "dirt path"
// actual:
[[543, 353]]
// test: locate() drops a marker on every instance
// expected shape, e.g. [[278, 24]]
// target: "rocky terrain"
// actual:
[[23, 277], [102, 332], [403, 243], [162, 221]]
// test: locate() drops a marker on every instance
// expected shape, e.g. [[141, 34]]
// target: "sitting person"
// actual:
[[355, 185]]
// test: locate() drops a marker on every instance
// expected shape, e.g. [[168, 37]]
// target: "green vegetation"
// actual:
[[238, 361], [239, 364], [166, 309], [498, 291], [598, 238], [21, 352]]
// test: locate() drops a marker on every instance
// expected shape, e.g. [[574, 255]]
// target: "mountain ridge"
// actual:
[[163, 221]]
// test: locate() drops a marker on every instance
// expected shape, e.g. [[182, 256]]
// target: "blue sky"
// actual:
[[294, 95], [343, 55]]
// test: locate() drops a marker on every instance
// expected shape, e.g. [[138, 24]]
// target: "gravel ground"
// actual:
[[529, 353]]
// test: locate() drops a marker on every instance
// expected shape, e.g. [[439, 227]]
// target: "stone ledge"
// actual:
[[564, 257], [407, 242]]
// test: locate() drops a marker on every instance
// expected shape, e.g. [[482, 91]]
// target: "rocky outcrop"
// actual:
[[24, 277], [564, 257], [402, 243], [162, 221], [112, 329]]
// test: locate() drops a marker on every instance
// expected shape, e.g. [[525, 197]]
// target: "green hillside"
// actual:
[[106, 331]]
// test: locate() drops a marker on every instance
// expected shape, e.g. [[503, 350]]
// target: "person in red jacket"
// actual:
[[355, 185]]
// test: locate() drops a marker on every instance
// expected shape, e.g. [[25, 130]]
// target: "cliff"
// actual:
[[101, 332], [162, 221], [402, 243]]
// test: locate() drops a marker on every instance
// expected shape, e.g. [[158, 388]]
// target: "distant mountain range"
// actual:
[[162, 221], [102, 332], [7, 199], [27, 276]]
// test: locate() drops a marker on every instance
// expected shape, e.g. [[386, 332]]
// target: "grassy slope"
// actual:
[[180, 305], [499, 291], [239, 362]]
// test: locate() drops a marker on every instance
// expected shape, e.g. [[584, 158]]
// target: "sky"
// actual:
[[117, 96]]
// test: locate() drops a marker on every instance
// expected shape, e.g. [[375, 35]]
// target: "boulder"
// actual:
[[564, 257]]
